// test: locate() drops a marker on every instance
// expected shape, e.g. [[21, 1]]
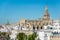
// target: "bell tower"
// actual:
[[46, 14]]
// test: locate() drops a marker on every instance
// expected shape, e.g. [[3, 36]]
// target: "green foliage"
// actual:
[[4, 36], [32, 37], [21, 36]]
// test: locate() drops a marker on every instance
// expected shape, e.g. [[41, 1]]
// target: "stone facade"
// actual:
[[37, 24]]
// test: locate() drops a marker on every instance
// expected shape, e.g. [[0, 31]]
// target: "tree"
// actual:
[[33, 36], [21, 36], [4, 36]]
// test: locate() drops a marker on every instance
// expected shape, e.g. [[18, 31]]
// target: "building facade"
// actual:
[[45, 27], [38, 24]]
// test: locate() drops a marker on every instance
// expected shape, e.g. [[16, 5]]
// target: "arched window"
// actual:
[[37, 27], [41, 27], [33, 27]]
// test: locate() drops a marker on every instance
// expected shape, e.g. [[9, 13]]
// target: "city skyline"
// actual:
[[14, 10]]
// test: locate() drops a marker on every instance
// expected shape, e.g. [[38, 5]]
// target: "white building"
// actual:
[[56, 24]]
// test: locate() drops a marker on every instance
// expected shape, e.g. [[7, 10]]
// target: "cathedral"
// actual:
[[51, 28], [38, 24]]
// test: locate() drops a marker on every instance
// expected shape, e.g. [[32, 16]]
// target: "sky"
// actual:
[[14, 10]]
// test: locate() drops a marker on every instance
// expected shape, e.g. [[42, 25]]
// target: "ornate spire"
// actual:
[[46, 15], [46, 11], [46, 8]]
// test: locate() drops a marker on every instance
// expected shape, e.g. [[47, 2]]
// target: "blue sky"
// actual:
[[14, 10]]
